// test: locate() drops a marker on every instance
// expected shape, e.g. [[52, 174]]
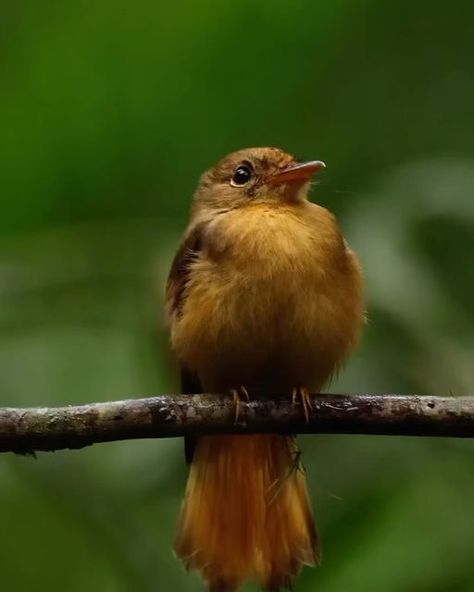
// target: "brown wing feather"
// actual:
[[178, 277]]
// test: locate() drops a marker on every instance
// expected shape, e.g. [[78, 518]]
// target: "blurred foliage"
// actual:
[[108, 114]]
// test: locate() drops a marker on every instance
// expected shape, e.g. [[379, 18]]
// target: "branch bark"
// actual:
[[26, 430]]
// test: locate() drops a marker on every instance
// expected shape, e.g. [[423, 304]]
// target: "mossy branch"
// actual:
[[26, 430]]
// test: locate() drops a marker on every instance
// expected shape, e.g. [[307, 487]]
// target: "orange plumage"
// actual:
[[264, 293], [246, 512]]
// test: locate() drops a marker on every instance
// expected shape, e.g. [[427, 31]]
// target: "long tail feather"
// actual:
[[246, 513]]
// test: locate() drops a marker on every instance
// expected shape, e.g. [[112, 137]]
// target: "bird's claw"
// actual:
[[237, 395], [302, 393]]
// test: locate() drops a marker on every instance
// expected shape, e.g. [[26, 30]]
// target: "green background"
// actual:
[[108, 114]]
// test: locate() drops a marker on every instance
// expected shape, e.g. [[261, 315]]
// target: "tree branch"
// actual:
[[25, 430]]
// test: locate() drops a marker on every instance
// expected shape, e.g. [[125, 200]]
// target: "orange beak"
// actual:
[[300, 171]]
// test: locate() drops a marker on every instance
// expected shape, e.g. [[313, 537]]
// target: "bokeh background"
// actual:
[[108, 114]]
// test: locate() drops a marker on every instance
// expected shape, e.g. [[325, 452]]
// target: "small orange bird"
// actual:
[[264, 296]]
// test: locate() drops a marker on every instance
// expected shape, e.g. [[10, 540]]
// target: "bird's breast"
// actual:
[[269, 291]]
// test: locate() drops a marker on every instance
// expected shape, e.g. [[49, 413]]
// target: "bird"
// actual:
[[264, 295]]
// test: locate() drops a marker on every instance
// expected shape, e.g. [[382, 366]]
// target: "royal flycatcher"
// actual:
[[264, 296]]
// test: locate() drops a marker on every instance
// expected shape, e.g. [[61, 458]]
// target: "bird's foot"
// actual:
[[301, 394], [237, 395]]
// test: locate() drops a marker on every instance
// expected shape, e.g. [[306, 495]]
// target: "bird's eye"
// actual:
[[242, 175]]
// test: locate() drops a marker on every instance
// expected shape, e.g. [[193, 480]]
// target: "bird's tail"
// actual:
[[246, 513]]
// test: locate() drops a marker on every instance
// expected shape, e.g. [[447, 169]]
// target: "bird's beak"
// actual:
[[300, 171]]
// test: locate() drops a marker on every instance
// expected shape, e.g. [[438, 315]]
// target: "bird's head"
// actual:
[[255, 175]]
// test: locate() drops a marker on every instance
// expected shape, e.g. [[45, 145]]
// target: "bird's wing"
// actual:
[[180, 272], [178, 279]]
